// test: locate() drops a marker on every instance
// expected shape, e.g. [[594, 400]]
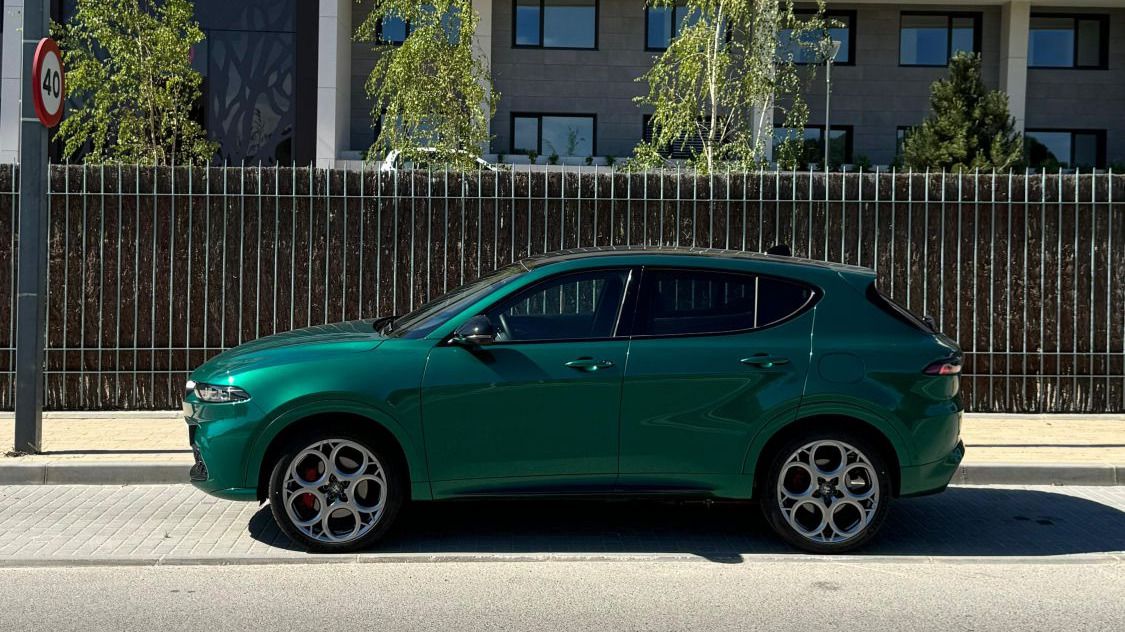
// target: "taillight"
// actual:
[[949, 366]]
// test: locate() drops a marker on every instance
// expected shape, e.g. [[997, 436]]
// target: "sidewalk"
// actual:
[[151, 447]]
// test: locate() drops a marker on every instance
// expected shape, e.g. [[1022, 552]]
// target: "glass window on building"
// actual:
[[1065, 41], [392, 30], [930, 39], [804, 47], [547, 134], [664, 23], [556, 23], [1074, 149], [812, 143]]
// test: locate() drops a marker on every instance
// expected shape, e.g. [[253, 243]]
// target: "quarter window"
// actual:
[[1063, 41], [930, 39], [569, 307], [547, 134], [556, 24], [682, 302]]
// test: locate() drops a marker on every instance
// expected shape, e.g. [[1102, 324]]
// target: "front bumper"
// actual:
[[931, 478], [220, 436]]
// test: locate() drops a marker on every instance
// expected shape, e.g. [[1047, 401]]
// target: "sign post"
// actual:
[[44, 92]]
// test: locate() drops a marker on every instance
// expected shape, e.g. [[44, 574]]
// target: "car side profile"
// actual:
[[686, 373]]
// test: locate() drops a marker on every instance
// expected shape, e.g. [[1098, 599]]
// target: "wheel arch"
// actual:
[[767, 443], [376, 427]]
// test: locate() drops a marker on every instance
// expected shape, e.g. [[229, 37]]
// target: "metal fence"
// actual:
[[154, 270]]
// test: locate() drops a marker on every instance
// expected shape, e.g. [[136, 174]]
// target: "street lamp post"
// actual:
[[831, 49]]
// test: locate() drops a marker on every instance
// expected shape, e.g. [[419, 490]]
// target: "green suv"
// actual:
[[705, 374]]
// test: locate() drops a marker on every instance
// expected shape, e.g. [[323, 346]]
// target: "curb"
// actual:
[[131, 473]]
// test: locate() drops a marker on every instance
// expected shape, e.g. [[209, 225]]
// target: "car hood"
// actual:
[[318, 341]]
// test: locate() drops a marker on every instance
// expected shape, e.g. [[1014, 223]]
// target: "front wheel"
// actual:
[[335, 492], [827, 492]]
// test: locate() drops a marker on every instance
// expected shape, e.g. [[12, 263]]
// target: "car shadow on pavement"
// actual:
[[960, 522]]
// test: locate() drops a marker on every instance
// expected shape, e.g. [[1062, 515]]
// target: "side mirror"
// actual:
[[476, 331]]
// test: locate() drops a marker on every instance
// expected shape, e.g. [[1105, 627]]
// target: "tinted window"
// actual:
[[665, 23], [556, 23], [805, 48], [430, 316], [569, 307], [549, 135], [676, 302], [930, 40], [1066, 41]]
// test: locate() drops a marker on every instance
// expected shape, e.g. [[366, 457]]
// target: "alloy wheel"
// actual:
[[828, 491], [335, 491]]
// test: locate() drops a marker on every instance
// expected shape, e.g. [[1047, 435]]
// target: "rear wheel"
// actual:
[[827, 492], [335, 491]]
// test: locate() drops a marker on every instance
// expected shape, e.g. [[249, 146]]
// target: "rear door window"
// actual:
[[697, 302]]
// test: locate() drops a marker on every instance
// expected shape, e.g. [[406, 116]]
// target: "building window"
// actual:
[[930, 39], [664, 23], [556, 24], [804, 49], [558, 134], [1068, 41], [900, 137], [812, 139], [678, 150], [392, 31], [1053, 149]]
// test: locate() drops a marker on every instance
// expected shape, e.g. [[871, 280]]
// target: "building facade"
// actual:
[[566, 71], [567, 68]]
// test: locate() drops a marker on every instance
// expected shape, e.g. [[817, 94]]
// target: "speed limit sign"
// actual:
[[48, 82]]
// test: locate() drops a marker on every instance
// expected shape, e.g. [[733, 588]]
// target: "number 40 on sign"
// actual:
[[48, 81]]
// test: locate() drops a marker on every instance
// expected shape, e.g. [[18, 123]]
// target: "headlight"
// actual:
[[219, 394]]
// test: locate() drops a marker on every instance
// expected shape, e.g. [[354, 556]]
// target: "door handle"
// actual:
[[589, 364], [764, 360]]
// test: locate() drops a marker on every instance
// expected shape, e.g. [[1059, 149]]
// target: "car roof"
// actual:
[[639, 254]]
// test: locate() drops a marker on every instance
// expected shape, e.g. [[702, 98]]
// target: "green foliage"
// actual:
[[724, 77], [433, 90], [130, 79], [969, 126]]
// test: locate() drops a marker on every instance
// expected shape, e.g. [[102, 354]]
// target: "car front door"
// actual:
[[714, 355], [537, 410]]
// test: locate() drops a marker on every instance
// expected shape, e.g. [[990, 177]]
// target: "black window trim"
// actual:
[[1099, 136], [849, 138], [1103, 44], [542, 17], [539, 130], [379, 33], [653, 49], [850, 14], [626, 305], [814, 297], [949, 15]]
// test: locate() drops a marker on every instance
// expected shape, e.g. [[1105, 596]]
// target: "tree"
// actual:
[[433, 90], [731, 66], [131, 82], [969, 126]]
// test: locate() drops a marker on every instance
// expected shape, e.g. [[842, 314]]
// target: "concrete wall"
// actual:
[[1085, 99]]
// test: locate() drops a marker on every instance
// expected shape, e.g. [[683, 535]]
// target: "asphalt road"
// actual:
[[633, 595]]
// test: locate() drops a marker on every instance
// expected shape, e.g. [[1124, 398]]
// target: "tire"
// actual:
[[367, 486], [814, 466]]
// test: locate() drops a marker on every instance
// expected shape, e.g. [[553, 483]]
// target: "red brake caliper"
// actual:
[[308, 500]]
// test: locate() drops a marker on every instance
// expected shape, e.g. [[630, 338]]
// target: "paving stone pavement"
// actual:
[[177, 524]]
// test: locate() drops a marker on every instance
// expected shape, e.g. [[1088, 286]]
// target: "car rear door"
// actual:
[[714, 355]]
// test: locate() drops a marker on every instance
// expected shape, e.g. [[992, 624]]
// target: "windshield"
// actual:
[[420, 322]]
